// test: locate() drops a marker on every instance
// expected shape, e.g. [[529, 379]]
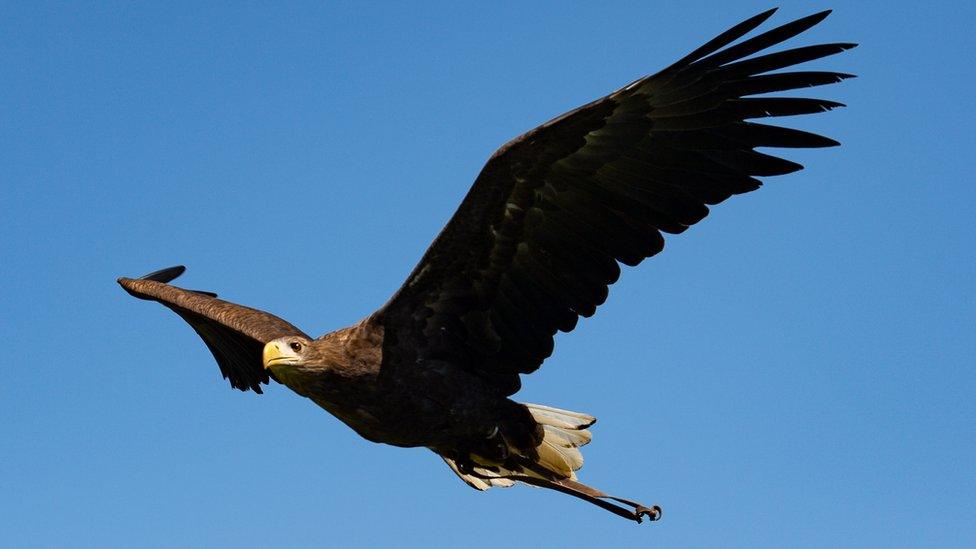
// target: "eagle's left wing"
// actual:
[[235, 334]]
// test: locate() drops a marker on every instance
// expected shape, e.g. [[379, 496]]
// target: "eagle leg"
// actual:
[[596, 497]]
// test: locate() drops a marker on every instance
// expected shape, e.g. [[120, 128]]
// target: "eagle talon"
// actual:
[[653, 514]]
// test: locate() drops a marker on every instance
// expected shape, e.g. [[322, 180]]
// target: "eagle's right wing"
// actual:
[[537, 240]]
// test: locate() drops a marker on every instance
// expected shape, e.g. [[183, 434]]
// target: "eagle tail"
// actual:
[[564, 432], [557, 455]]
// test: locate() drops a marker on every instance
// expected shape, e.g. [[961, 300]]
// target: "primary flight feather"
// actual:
[[533, 246]]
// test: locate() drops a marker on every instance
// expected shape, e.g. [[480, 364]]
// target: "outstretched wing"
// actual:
[[235, 334], [537, 240]]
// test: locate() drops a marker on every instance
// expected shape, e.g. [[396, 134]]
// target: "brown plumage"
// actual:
[[533, 246]]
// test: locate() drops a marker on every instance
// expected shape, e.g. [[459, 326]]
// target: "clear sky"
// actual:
[[795, 371]]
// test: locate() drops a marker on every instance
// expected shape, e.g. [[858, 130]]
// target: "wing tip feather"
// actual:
[[825, 143], [165, 275], [819, 16], [162, 276], [723, 39]]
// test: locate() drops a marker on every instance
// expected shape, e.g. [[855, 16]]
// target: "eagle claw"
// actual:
[[653, 513]]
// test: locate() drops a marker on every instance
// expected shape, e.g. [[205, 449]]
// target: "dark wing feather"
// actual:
[[537, 240], [235, 334]]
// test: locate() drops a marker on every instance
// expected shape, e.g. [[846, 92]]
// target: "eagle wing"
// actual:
[[235, 334], [537, 240]]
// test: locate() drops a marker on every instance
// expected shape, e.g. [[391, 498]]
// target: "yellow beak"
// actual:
[[272, 352]]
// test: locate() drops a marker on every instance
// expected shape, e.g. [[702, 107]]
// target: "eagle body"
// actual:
[[533, 246], [431, 404]]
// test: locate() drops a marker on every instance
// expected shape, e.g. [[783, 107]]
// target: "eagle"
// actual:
[[534, 246]]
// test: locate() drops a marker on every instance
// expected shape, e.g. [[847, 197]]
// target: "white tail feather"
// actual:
[[547, 415], [563, 433], [567, 438]]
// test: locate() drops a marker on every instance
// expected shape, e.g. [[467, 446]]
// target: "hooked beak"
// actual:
[[276, 354]]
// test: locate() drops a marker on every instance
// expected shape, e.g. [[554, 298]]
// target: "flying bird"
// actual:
[[534, 245]]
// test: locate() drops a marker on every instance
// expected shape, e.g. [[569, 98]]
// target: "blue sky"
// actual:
[[797, 370]]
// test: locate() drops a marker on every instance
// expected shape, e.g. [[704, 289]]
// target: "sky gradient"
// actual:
[[794, 371]]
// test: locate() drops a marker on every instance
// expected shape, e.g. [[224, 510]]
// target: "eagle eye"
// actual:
[[295, 346]]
